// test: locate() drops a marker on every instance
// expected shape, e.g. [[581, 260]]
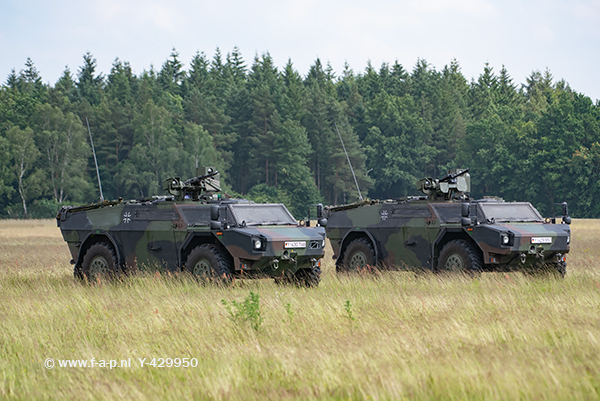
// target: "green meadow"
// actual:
[[387, 336]]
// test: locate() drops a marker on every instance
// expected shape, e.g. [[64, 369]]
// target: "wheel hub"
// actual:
[[359, 259], [455, 263], [202, 268], [99, 267]]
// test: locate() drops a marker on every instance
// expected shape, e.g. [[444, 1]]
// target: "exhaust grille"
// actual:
[[314, 245]]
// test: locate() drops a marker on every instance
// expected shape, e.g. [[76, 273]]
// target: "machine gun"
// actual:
[[201, 187], [454, 185], [452, 176]]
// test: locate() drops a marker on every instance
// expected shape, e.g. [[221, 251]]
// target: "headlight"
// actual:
[[505, 239], [257, 244]]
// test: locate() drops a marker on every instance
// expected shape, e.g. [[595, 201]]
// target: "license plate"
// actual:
[[541, 240], [295, 244]]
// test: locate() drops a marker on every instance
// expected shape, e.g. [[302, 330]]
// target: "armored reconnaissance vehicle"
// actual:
[[445, 230], [192, 230]]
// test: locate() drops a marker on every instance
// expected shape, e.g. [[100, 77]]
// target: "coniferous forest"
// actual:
[[271, 132]]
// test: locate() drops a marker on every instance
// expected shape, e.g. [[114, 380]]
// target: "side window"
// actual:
[[154, 214], [196, 215], [449, 212], [411, 211]]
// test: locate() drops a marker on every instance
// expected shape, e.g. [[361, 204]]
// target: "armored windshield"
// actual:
[[510, 212], [262, 215]]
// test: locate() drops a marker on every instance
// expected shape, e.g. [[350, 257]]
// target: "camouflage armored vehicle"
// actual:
[[445, 230], [192, 230]]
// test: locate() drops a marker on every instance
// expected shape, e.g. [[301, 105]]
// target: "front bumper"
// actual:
[[277, 266]]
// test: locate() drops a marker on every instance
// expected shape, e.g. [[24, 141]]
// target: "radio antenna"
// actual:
[[95, 160], [351, 169]]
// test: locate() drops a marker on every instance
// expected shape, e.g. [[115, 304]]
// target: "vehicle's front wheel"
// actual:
[[556, 269], [458, 256], [99, 262], [207, 262], [308, 277], [559, 268], [359, 256]]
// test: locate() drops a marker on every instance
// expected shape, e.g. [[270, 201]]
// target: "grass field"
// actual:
[[393, 336]]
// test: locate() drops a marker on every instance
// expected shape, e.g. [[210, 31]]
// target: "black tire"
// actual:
[[78, 273], [459, 256], [284, 280], [99, 262], [560, 269], [309, 278], [555, 269], [208, 263], [359, 256]]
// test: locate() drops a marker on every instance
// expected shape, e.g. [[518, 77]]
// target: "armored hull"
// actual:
[[211, 239], [446, 231]]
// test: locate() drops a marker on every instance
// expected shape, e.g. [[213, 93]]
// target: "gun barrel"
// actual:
[[453, 176], [197, 180]]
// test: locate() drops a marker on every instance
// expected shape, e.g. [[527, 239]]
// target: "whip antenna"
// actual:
[[95, 160], [351, 169]]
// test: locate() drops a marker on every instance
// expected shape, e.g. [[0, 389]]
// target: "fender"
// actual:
[[435, 244], [98, 233], [346, 241], [191, 235], [210, 237], [442, 234]]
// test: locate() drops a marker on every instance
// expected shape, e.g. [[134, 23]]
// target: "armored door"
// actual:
[[408, 245]]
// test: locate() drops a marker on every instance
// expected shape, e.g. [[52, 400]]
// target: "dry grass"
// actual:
[[401, 336]]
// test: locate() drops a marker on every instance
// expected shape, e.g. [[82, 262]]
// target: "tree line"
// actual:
[[273, 133]]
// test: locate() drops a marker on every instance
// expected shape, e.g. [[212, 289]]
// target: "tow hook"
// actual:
[[539, 253], [523, 258], [290, 257], [275, 264]]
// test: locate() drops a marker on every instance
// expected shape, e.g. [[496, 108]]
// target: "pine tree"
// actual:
[[89, 84], [64, 94], [397, 144], [265, 90], [293, 97], [12, 81], [198, 76], [121, 83], [172, 74]]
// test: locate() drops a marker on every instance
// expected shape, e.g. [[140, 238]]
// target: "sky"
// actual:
[[524, 36]]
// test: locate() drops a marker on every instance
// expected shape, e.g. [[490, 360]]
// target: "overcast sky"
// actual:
[[561, 35]]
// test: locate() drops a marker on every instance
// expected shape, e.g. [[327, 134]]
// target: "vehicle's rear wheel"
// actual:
[[458, 256], [99, 262], [359, 256], [207, 262]]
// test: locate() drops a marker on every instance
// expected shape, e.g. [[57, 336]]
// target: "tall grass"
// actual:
[[388, 336]]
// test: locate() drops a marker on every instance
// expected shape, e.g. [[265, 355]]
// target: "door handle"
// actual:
[[155, 248], [410, 243]]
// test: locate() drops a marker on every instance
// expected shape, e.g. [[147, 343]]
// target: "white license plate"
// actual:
[[541, 240], [295, 244]]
